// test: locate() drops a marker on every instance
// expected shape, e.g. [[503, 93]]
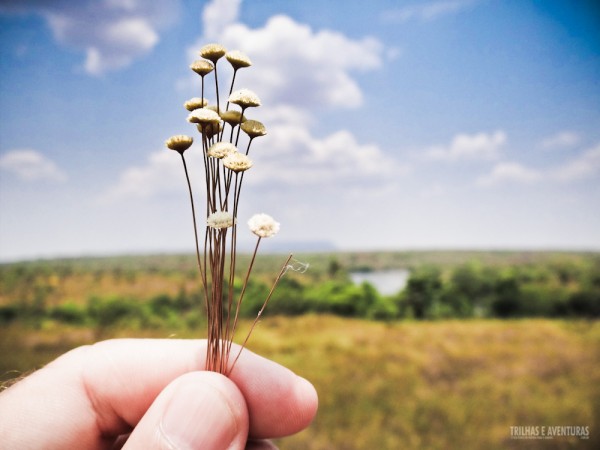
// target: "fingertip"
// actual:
[[308, 399]]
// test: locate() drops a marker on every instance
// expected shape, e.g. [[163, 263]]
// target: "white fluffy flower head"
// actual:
[[244, 98], [263, 225], [204, 116], [221, 150], [220, 219], [237, 162]]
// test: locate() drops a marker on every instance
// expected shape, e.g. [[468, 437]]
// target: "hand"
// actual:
[[153, 394]]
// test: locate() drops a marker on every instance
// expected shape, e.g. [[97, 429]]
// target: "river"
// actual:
[[387, 282]]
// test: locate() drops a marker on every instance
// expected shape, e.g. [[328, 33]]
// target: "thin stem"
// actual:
[[243, 346], [187, 177]]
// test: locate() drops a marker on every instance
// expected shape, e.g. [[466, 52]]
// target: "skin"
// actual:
[[153, 394]]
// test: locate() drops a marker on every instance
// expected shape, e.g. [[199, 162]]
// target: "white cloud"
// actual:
[[112, 33], [30, 165], [217, 15], [162, 173], [561, 140], [295, 65], [584, 166], [294, 69], [465, 146], [509, 172], [581, 167], [425, 11], [293, 156]]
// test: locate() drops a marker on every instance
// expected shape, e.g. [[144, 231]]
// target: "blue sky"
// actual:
[[397, 125]]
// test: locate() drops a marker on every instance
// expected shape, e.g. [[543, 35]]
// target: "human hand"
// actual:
[[153, 394]]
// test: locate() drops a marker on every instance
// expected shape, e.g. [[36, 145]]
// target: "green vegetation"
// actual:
[[152, 291]]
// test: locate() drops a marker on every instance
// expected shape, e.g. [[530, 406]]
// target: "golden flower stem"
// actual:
[[244, 286], [189, 185], [275, 283]]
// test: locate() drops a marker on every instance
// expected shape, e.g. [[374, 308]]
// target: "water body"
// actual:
[[387, 282]]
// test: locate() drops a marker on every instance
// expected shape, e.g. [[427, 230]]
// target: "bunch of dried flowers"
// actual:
[[224, 169]]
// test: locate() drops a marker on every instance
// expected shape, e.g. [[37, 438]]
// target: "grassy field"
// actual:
[[409, 385]]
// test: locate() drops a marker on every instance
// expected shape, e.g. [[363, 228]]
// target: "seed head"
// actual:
[[244, 98], [195, 103], [232, 117], [202, 67], [220, 219], [253, 128], [237, 162], [263, 225], [213, 52], [238, 59], [221, 149], [204, 116], [180, 143]]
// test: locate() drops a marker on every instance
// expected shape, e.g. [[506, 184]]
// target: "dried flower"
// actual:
[[210, 130], [180, 143], [202, 67], [204, 116], [253, 128], [244, 98], [238, 59], [195, 103], [237, 162], [213, 52], [220, 219], [263, 225], [232, 117], [221, 149]]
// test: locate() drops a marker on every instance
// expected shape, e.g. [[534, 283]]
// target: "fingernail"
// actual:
[[198, 416]]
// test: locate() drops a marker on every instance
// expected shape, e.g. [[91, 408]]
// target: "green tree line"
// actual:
[[469, 290]]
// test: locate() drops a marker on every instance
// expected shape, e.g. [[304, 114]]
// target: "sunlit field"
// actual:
[[437, 385]]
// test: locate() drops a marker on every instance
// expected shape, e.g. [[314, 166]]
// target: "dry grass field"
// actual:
[[405, 385]]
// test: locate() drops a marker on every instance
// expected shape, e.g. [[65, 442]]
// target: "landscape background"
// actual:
[[476, 342]]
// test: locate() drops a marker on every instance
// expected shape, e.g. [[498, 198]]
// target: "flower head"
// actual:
[[195, 103], [220, 219], [204, 116], [221, 149], [244, 98], [263, 225], [232, 117], [254, 128], [209, 130], [238, 59], [213, 52], [180, 143], [237, 162], [202, 67]]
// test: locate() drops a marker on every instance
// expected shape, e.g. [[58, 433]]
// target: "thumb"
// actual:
[[198, 410]]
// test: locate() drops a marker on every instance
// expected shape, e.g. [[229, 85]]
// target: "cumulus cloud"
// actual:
[[30, 165], [217, 15], [425, 11], [583, 166], [294, 64], [112, 33], [465, 146], [294, 69], [564, 139], [161, 173], [509, 172]]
